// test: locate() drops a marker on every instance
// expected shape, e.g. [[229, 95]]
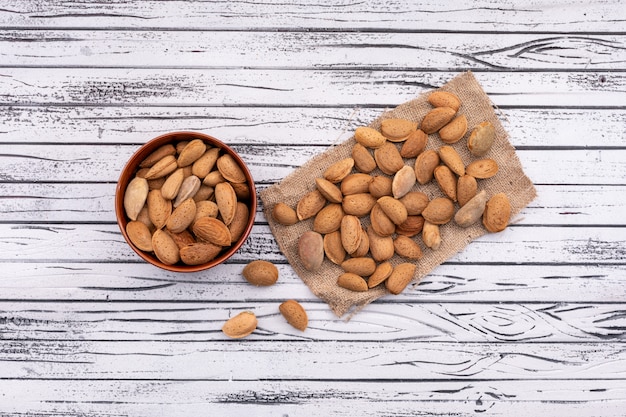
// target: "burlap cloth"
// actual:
[[510, 179]]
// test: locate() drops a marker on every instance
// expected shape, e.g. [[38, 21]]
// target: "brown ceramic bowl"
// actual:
[[131, 168]]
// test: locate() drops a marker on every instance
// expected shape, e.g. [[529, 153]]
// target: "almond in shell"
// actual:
[[226, 200], [356, 183], [411, 226], [311, 250], [439, 211], [481, 139], [310, 204], [172, 184], [388, 158], [394, 209], [362, 266], [199, 253], [260, 273], [328, 219], [415, 202], [230, 169], [397, 130], [364, 246], [466, 189], [295, 314], [382, 272], [241, 325], [358, 204], [400, 277], [446, 181], [159, 209], [352, 282], [381, 247], [182, 216], [182, 239], [339, 170], [425, 165], [205, 164], [407, 248], [139, 235], [165, 249], [381, 223], [135, 197], [381, 186], [454, 131], [330, 191], [191, 152], [333, 248], [206, 209], [240, 222], [369, 137], [163, 167], [212, 230], [497, 213], [444, 99], [403, 181], [471, 212], [437, 118], [414, 144], [351, 233], [188, 189], [213, 178], [363, 159], [431, 235], [452, 159], [482, 168], [284, 214], [157, 155]]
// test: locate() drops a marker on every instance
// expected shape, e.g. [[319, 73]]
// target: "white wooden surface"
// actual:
[[530, 321]]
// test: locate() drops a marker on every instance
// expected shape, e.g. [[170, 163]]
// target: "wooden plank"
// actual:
[[294, 87], [202, 321], [485, 15], [96, 242], [285, 125], [284, 49], [388, 362], [66, 162], [80, 202], [304, 398], [449, 282]]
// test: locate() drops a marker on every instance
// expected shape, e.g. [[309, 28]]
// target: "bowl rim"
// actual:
[[131, 166]]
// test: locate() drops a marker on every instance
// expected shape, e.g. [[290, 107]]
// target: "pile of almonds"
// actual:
[[187, 203], [400, 219]]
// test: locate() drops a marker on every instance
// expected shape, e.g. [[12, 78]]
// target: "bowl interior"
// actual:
[[128, 173]]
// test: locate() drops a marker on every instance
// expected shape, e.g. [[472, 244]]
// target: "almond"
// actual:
[[295, 314], [145, 218], [437, 118], [381, 186], [466, 189], [328, 219], [431, 235], [452, 159], [363, 159], [311, 250], [226, 200], [411, 226], [454, 131], [333, 248], [191, 152], [181, 145], [471, 212], [182, 239], [172, 184], [483, 168], [394, 209], [159, 209], [361, 266], [206, 209], [135, 197], [241, 325], [199, 253], [381, 247], [213, 231], [382, 272], [242, 190], [403, 181], [330, 191], [139, 235], [439, 211], [407, 248], [356, 183], [310, 204], [388, 158], [205, 164], [284, 214], [415, 202], [425, 165], [358, 204], [165, 248], [240, 222], [414, 144], [352, 282], [157, 155], [213, 178], [163, 167], [339, 170], [351, 233], [444, 99], [446, 181], [364, 246], [400, 277], [397, 130], [481, 139], [369, 137], [381, 223], [188, 189], [230, 169], [260, 273], [497, 213], [182, 216]]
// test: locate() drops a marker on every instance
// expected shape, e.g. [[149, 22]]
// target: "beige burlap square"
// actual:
[[510, 179]]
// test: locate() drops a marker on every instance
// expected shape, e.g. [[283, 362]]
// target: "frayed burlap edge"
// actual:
[[510, 179]]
